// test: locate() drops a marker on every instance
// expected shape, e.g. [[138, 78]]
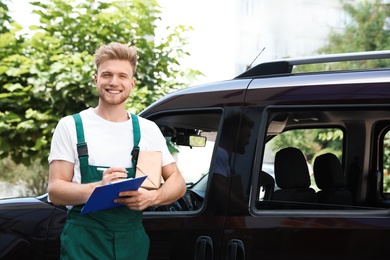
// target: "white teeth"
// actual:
[[114, 91]]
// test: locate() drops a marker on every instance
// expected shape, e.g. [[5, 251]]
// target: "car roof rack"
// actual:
[[285, 66]]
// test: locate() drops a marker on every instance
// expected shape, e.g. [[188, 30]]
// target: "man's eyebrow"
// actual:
[[122, 74]]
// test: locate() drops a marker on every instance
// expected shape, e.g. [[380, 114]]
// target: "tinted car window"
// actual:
[[304, 163], [312, 142], [191, 138]]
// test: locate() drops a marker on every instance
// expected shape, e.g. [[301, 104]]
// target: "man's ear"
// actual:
[[134, 83], [95, 79]]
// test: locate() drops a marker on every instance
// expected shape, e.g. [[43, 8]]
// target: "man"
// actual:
[[108, 131]]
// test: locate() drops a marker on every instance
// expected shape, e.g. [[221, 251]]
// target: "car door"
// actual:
[[306, 227], [190, 228]]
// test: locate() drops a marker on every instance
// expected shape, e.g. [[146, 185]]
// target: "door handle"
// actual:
[[235, 250], [204, 248]]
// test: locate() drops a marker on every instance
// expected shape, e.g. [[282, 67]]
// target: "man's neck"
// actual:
[[112, 114]]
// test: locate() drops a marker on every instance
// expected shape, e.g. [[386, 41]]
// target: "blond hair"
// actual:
[[116, 51]]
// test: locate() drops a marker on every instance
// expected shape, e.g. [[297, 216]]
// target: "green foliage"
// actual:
[[312, 142], [5, 19], [386, 163], [35, 179], [31, 180], [386, 183], [368, 29], [48, 73]]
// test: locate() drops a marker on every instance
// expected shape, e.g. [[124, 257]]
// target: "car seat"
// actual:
[[266, 186], [292, 177], [329, 177]]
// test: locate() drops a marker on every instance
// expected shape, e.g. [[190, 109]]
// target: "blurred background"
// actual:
[[228, 35], [46, 56]]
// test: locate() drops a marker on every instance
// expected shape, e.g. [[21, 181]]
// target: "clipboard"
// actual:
[[103, 196]]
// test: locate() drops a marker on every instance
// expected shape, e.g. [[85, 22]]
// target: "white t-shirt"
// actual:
[[109, 143]]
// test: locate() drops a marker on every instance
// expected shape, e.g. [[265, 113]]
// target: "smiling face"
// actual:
[[114, 81]]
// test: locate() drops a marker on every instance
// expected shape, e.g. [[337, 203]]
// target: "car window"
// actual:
[[311, 142], [194, 162], [191, 137], [309, 160]]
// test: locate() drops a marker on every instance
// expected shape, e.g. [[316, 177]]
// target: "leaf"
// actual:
[[48, 73]]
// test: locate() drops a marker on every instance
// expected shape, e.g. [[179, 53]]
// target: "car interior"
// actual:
[[341, 176], [190, 135]]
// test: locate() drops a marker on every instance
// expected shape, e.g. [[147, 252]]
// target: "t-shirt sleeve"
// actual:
[[63, 141]]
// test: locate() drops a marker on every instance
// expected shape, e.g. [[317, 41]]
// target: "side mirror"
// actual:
[[190, 140]]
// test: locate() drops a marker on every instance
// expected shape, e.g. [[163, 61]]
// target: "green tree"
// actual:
[[47, 73], [367, 29], [312, 142], [4, 18]]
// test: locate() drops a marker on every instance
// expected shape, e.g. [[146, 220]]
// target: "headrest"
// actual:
[[328, 172], [291, 169]]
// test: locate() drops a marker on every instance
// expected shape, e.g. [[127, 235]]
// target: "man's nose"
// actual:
[[114, 81]]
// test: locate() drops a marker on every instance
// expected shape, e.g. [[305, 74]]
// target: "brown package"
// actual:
[[149, 163]]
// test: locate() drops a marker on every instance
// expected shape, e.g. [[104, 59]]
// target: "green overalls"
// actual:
[[115, 233]]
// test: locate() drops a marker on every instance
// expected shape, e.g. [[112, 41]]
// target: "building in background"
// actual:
[[229, 35]]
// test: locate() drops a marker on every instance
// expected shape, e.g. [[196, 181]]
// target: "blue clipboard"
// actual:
[[103, 196]]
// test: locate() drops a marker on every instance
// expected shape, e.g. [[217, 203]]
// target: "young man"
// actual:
[[108, 132]]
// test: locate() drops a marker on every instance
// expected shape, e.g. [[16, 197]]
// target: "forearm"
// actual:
[[68, 193], [172, 189]]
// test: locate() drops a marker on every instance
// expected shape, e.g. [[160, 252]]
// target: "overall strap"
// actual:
[[137, 138], [82, 148]]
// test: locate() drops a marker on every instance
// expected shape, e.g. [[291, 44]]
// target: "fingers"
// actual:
[[134, 200], [130, 202], [112, 174]]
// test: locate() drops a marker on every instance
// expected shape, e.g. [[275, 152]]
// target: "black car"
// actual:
[[306, 175]]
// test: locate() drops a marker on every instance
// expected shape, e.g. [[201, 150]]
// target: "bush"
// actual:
[[33, 179]]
